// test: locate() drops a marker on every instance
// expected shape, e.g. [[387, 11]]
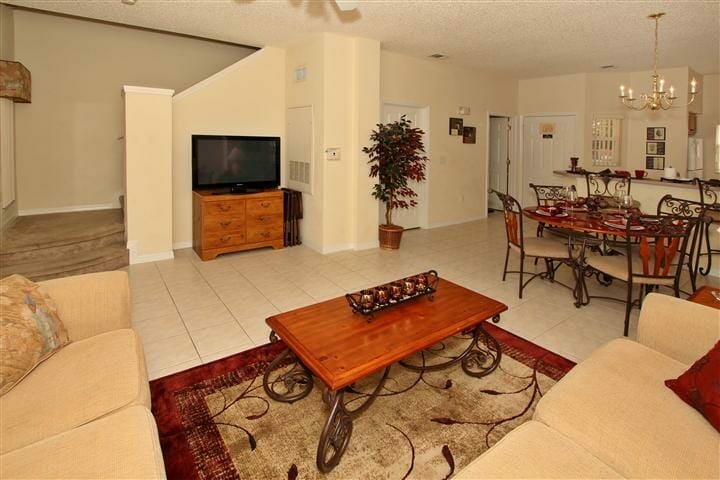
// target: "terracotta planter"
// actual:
[[390, 236]]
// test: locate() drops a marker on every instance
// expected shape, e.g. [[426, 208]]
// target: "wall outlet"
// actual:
[[332, 154]]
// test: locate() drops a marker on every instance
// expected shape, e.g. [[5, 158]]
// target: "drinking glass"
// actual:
[[572, 199], [626, 203], [619, 195]]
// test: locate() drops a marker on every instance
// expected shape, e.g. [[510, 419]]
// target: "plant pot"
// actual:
[[389, 236]]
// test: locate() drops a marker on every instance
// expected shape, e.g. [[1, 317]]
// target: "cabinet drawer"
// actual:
[[265, 206], [219, 240], [224, 224], [269, 219], [234, 208], [263, 233]]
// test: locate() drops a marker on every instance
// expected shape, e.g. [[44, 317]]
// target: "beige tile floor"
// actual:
[[190, 312]]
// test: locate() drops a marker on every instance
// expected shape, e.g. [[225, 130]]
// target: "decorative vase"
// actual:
[[390, 236]]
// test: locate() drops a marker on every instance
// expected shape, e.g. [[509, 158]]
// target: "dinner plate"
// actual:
[[548, 214]]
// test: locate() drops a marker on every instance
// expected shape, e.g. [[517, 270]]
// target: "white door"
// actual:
[[408, 218], [498, 168], [548, 144]]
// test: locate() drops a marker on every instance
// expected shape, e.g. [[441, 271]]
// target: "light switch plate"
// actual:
[[332, 154]]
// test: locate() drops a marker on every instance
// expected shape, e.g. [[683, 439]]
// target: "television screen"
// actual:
[[225, 160]]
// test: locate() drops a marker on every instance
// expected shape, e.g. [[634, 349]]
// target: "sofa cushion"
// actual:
[[30, 329], [534, 450], [615, 404], [699, 387], [83, 381], [121, 445]]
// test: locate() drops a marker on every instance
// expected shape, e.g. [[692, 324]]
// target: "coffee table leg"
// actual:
[[291, 386], [338, 426], [336, 434], [482, 360]]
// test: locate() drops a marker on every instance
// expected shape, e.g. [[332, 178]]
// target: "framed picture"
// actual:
[[655, 163], [456, 127], [656, 133], [468, 134], [655, 148]]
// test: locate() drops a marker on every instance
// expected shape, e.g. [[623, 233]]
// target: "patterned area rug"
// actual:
[[216, 422]]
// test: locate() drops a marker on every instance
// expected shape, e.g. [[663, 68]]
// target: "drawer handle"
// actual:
[[225, 224], [265, 204], [265, 234], [225, 208], [225, 239]]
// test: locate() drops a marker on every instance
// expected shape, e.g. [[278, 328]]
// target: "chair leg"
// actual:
[[522, 265], [507, 255], [628, 308]]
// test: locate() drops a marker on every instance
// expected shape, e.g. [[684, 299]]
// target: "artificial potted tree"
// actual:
[[397, 155]]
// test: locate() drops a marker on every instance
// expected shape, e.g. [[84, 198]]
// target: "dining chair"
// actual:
[[606, 184], [548, 196], [710, 199], [655, 260], [669, 206], [549, 249]]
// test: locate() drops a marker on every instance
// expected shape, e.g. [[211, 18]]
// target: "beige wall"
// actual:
[[457, 171], [7, 118], [343, 88], [246, 98], [148, 173], [593, 94], [69, 140]]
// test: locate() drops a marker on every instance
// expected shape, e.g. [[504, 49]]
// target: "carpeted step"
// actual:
[[109, 257]]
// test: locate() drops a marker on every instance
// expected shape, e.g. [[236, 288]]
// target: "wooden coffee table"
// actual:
[[704, 296], [328, 341]]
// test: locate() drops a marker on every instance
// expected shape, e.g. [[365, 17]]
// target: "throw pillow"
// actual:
[[30, 329], [699, 386]]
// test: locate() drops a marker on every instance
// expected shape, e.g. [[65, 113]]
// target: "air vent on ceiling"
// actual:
[[437, 55]]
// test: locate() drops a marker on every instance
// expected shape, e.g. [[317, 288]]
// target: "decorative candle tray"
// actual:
[[373, 300]]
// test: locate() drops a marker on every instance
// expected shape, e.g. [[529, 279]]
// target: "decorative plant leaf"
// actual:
[[444, 420], [396, 156], [492, 392], [450, 460], [255, 417], [448, 384], [251, 440], [293, 472]]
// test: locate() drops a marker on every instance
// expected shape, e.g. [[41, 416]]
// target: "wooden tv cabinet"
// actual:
[[224, 223]]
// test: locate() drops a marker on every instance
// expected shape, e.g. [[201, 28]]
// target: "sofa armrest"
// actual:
[[677, 328], [91, 304]]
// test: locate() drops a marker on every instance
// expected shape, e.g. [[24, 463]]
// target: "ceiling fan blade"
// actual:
[[347, 5]]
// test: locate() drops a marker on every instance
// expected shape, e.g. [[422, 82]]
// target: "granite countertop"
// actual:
[[635, 181]]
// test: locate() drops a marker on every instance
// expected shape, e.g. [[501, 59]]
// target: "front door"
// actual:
[[498, 168], [548, 144], [407, 218]]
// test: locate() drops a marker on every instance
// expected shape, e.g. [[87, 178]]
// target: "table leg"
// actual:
[[336, 433], [477, 360], [292, 385]]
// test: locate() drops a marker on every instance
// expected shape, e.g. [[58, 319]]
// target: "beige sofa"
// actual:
[[85, 411], [612, 415]]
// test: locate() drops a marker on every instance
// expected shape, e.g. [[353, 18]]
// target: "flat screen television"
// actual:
[[241, 163]]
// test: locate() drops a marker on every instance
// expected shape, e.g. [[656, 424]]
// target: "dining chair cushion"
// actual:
[[617, 267], [543, 247]]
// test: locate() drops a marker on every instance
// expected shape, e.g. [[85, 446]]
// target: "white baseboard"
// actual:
[[181, 245], [73, 208], [135, 258], [457, 222]]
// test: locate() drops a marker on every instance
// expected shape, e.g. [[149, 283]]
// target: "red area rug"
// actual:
[[215, 420]]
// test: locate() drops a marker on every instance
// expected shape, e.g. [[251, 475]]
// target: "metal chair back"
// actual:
[[513, 219], [606, 184], [709, 192], [548, 194]]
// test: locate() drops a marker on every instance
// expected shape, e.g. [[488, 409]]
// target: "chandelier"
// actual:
[[659, 99]]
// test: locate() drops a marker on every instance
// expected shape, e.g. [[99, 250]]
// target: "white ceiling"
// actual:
[[520, 38]]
